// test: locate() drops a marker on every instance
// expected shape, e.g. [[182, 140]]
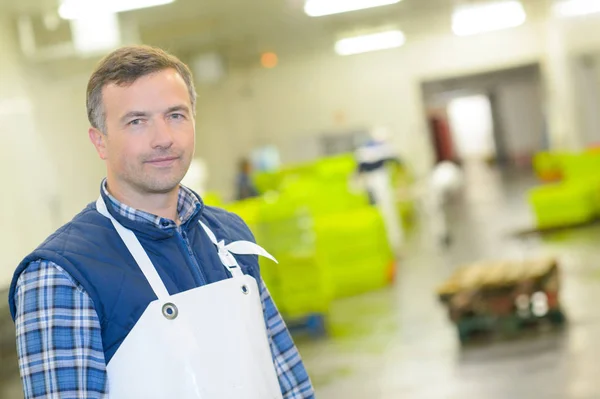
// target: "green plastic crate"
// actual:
[[299, 284], [248, 209], [563, 204], [355, 250], [580, 166], [212, 198], [548, 166]]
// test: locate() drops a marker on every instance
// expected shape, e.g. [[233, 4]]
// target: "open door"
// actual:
[[441, 137]]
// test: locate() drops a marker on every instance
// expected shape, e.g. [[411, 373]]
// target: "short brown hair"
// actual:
[[123, 67]]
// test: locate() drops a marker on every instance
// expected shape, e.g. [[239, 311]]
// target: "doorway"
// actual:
[[496, 116]]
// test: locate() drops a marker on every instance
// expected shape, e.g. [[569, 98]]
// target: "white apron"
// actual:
[[206, 343]]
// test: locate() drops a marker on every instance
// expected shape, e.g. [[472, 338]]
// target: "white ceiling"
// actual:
[[244, 28]]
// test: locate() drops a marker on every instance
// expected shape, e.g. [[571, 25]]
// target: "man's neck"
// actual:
[[159, 204]]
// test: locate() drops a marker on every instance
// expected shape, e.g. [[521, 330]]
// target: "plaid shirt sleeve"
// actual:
[[58, 336], [293, 378]]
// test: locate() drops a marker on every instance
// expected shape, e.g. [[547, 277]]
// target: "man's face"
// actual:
[[150, 133]]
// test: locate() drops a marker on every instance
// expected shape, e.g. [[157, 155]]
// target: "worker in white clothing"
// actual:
[[373, 158], [445, 181]]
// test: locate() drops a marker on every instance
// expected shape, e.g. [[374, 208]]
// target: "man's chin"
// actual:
[[161, 187]]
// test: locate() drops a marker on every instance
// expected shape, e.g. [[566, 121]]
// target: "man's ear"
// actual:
[[98, 139]]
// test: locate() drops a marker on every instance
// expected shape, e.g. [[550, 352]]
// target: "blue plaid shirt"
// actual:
[[58, 331]]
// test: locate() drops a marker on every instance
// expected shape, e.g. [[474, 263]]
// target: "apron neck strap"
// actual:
[[225, 252], [237, 247], [138, 253], [227, 259]]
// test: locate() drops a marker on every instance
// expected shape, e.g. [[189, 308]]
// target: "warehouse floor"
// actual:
[[398, 343]]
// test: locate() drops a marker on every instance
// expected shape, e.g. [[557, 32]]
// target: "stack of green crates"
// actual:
[[299, 283], [354, 247], [351, 239], [548, 166], [576, 199], [330, 242], [401, 181], [267, 181], [274, 180], [564, 204], [248, 209], [583, 170], [212, 198], [575, 167]]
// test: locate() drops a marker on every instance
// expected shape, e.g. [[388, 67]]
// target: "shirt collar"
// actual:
[[187, 205]]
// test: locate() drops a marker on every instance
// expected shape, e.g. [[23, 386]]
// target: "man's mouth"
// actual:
[[162, 161]]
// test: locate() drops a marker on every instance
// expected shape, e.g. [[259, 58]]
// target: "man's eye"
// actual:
[[177, 116], [135, 122]]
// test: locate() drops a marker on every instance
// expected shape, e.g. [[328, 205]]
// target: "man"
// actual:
[[147, 293]]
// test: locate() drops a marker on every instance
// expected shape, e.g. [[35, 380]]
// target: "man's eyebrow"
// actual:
[[182, 108], [133, 114]]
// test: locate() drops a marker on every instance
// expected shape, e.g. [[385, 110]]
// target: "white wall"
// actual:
[[61, 119], [24, 169], [520, 119], [588, 100], [565, 40], [45, 167]]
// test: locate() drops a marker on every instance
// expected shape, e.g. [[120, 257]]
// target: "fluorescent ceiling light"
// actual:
[[575, 8], [372, 42], [471, 20], [96, 34], [318, 8], [73, 9]]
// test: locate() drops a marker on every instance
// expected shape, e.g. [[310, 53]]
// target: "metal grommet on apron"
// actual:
[[170, 311], [245, 289]]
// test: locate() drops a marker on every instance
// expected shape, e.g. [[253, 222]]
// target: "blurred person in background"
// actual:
[[244, 185], [373, 158], [445, 181], [144, 294]]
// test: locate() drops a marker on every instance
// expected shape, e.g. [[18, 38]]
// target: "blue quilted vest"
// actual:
[[91, 251]]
